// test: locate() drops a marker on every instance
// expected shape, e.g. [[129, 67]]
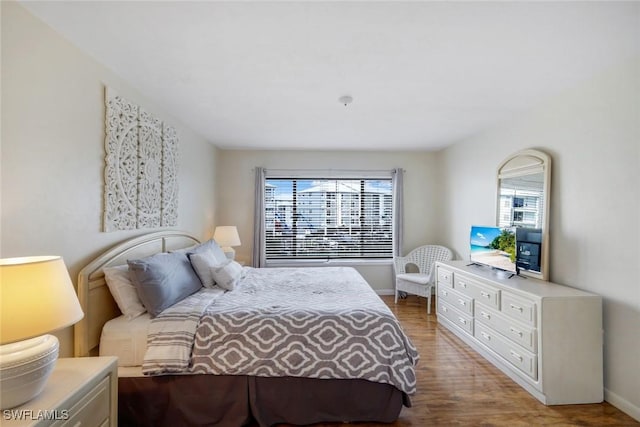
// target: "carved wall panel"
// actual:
[[121, 171], [169, 177], [141, 168], [149, 170]]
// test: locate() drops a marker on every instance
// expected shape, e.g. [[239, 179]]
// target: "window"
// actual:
[[520, 209], [328, 218]]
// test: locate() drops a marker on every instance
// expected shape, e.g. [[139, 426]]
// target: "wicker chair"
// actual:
[[421, 283]]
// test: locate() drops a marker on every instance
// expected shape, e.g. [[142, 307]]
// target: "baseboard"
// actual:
[[385, 291], [623, 404]]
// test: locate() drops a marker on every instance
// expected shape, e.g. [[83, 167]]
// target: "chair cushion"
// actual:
[[419, 278]]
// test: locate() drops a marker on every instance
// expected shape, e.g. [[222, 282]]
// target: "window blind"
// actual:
[[320, 218]]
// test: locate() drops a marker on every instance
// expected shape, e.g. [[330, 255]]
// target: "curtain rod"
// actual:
[[328, 170]]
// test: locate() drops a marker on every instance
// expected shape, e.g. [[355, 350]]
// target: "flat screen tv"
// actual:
[[494, 246]]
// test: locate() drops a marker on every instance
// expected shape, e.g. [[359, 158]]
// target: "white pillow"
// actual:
[[202, 263], [123, 291], [227, 275]]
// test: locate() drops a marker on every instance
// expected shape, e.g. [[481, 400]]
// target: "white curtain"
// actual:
[[258, 220], [398, 211]]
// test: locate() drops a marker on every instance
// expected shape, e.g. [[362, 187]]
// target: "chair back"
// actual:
[[424, 257]]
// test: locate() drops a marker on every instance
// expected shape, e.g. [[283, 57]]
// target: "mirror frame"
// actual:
[[527, 162]]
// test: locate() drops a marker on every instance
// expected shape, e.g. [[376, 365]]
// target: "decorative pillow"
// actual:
[[123, 291], [227, 275], [202, 263], [209, 245], [163, 279]]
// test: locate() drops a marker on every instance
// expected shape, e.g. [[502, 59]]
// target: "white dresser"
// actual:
[[80, 392], [546, 337]]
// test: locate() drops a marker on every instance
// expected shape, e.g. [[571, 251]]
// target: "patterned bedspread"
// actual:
[[321, 322]]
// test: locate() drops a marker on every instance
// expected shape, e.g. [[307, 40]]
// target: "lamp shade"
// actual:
[[36, 297], [226, 236]]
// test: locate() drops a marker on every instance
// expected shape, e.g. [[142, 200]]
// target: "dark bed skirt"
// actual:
[[224, 400]]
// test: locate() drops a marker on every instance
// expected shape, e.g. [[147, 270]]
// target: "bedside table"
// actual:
[[81, 391]]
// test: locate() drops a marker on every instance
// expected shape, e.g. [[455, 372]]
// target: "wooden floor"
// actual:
[[457, 387]]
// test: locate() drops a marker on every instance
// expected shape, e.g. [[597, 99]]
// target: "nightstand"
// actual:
[[81, 391]]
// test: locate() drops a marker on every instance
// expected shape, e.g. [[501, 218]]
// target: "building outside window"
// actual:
[[328, 218], [520, 209]]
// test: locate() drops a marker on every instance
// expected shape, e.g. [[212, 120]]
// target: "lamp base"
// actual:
[[229, 252], [25, 367]]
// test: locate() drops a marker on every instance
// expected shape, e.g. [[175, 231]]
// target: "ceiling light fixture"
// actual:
[[346, 100]]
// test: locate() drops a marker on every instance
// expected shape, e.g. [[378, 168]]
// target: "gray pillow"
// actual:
[[162, 280]]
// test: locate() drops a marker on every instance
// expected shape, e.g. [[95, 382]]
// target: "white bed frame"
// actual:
[[94, 295]]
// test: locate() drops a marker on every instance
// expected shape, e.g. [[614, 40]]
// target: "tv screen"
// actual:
[[494, 246]]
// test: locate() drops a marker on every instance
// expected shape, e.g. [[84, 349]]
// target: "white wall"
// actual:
[[235, 178], [52, 160], [593, 136], [53, 151]]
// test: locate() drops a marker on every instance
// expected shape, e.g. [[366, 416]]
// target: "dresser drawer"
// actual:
[[445, 277], [512, 353], [456, 299], [460, 319], [489, 295], [92, 409], [518, 308], [516, 332]]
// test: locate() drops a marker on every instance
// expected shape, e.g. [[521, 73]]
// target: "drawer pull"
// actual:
[[445, 293], [516, 307], [485, 315], [485, 294], [461, 320], [462, 302], [516, 332], [516, 355], [463, 284], [486, 336], [444, 309]]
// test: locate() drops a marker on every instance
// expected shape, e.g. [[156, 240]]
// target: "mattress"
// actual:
[[125, 339]]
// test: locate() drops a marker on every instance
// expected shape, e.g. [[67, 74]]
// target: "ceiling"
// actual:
[[423, 75]]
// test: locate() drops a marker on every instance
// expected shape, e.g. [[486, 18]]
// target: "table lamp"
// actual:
[[227, 236], [36, 297]]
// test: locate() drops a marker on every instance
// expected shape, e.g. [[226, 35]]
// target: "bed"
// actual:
[[285, 319]]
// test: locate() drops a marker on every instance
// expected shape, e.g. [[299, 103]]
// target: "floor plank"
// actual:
[[457, 387]]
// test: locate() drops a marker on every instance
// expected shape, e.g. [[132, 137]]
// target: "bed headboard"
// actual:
[[96, 300]]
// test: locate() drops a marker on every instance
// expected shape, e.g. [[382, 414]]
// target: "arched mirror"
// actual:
[[524, 181]]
